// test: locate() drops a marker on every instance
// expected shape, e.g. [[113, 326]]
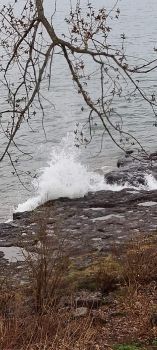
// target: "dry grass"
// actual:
[[33, 316], [108, 274], [56, 329]]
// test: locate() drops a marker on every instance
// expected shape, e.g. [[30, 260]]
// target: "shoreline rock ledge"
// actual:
[[85, 227]]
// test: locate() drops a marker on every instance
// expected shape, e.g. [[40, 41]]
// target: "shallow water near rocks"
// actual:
[[13, 254]]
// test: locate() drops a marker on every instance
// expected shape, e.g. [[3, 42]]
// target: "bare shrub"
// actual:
[[31, 315], [47, 267]]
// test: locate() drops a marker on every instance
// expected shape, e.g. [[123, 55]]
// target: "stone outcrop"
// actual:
[[132, 171], [86, 227]]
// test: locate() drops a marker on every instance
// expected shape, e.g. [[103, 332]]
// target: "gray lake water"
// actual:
[[138, 22]]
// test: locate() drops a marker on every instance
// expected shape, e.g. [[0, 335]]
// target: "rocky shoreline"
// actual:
[[84, 227], [75, 271]]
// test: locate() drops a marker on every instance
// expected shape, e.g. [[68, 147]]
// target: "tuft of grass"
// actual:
[[102, 275], [108, 274], [140, 262], [127, 347]]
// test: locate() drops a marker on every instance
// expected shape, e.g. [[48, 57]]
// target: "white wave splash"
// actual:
[[65, 176], [151, 182]]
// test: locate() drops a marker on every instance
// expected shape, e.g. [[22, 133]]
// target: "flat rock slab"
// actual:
[[82, 227]]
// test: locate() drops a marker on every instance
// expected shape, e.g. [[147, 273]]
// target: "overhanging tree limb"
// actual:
[[32, 51]]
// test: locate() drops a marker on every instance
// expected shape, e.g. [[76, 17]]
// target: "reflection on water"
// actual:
[[138, 22]]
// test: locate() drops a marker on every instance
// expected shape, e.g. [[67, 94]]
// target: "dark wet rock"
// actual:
[[132, 172], [153, 156], [1, 255], [124, 162], [23, 215], [134, 178]]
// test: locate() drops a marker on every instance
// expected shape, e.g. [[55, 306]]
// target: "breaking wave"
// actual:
[[65, 176]]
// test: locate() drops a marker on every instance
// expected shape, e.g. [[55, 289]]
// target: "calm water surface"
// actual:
[[138, 22]]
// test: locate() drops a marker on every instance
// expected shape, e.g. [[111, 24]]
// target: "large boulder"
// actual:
[[134, 178], [132, 172]]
